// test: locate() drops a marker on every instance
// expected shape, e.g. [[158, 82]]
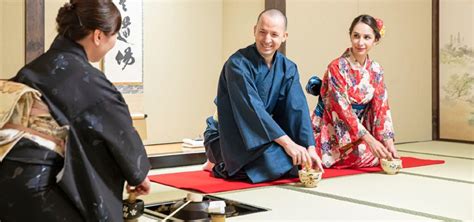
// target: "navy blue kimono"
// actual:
[[257, 105]]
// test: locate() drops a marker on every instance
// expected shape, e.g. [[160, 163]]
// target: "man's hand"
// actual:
[[298, 154], [142, 189], [315, 158]]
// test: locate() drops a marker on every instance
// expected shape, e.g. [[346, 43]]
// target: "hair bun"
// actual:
[[68, 6], [314, 85]]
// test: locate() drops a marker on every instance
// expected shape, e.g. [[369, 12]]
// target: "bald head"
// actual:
[[273, 13], [270, 32]]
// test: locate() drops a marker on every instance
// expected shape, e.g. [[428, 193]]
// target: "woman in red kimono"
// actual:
[[352, 121]]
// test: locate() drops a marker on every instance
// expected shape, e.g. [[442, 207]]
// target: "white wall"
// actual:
[[187, 41], [318, 33], [239, 17], [183, 56], [51, 8], [12, 37], [2, 30], [185, 45]]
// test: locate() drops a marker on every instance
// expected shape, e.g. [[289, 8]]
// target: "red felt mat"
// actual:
[[203, 182]]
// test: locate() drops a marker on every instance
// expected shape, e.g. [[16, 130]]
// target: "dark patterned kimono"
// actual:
[[257, 105], [103, 149]]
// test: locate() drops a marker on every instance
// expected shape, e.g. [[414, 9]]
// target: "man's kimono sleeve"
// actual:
[[256, 125], [292, 112], [111, 122]]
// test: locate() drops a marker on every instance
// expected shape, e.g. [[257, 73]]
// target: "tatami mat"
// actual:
[[440, 148], [442, 199], [289, 205], [452, 169], [439, 192]]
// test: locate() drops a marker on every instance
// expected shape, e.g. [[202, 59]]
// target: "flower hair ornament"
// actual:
[[381, 27]]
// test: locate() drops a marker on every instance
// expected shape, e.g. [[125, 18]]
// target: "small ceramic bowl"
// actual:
[[391, 166], [132, 208], [217, 217], [310, 177]]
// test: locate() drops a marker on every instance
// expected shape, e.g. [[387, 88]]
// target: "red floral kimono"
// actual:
[[353, 103]]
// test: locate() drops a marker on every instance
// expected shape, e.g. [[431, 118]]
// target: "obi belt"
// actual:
[[24, 115], [358, 109]]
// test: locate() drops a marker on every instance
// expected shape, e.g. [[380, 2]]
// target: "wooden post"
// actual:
[[34, 29], [435, 69], [280, 5]]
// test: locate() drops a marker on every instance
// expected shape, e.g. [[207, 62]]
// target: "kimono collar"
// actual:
[[260, 60], [349, 56], [62, 43]]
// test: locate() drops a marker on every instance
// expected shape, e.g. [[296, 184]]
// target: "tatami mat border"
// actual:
[[367, 203], [435, 154], [438, 178]]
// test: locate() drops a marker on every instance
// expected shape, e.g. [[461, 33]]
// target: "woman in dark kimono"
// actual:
[[79, 146]]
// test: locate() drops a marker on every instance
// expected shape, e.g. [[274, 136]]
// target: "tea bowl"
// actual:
[[391, 166], [309, 177]]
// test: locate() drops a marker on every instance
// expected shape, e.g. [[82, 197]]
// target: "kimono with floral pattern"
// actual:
[[354, 100]]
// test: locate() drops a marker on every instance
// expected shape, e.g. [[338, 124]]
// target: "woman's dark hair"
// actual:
[[78, 18], [368, 20]]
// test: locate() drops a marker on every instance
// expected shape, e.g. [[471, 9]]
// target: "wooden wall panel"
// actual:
[[34, 29]]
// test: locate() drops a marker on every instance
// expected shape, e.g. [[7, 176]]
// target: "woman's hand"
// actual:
[[142, 189], [391, 148], [315, 158], [377, 148]]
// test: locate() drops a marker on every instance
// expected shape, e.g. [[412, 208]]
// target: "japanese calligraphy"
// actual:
[[124, 63], [122, 3], [126, 59], [124, 33]]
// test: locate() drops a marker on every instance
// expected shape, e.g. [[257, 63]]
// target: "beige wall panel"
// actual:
[[239, 17], [12, 47], [405, 54], [321, 34], [186, 43], [51, 8], [2, 74], [317, 34], [182, 57]]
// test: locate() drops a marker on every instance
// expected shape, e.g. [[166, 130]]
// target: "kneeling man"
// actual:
[[262, 130]]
